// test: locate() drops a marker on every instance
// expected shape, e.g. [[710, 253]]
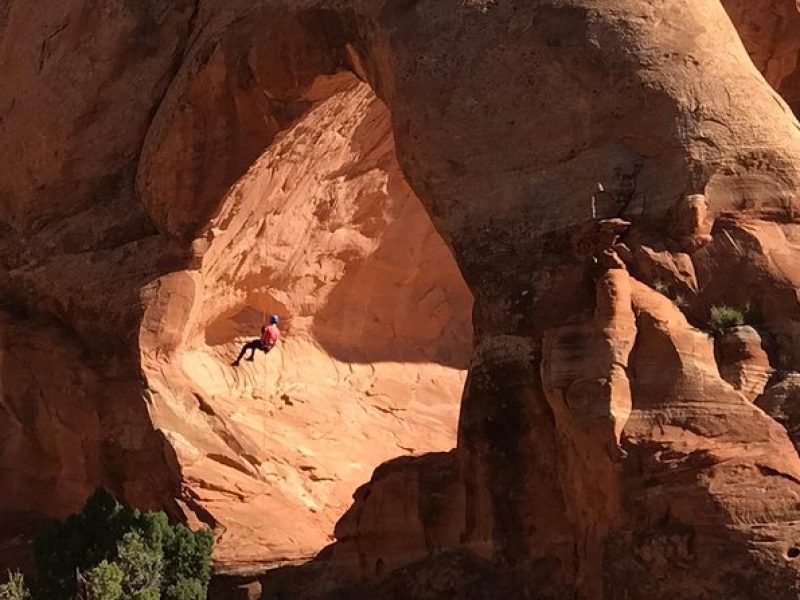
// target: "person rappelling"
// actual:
[[270, 334]]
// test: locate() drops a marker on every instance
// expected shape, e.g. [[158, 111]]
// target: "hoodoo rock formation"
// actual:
[[177, 169]]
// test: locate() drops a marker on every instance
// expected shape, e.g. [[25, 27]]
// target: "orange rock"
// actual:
[[743, 362], [768, 30], [782, 402], [174, 174], [322, 230], [412, 507]]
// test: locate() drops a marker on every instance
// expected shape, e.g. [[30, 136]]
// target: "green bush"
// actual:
[[14, 588], [187, 563], [141, 563], [103, 582], [724, 317], [185, 589], [157, 560]]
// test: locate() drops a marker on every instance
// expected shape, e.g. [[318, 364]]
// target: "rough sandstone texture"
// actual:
[[323, 230], [769, 32], [743, 361], [234, 161], [117, 339]]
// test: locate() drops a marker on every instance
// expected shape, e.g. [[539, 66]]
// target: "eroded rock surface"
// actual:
[[769, 32], [604, 173], [319, 226], [323, 230], [743, 361]]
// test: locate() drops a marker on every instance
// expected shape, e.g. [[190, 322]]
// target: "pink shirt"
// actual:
[[270, 335]]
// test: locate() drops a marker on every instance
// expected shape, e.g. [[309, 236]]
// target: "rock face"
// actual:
[[769, 32], [743, 362], [607, 446], [322, 229], [782, 403], [116, 357]]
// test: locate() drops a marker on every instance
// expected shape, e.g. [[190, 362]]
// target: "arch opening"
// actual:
[[314, 221]]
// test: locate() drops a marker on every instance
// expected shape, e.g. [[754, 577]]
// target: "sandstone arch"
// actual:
[[583, 454], [341, 243]]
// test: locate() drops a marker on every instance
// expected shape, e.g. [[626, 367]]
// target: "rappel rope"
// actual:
[[265, 251]]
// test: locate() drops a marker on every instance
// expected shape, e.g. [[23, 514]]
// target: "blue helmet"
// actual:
[[274, 319]]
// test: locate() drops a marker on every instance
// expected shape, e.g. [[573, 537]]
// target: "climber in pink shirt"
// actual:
[[269, 337]]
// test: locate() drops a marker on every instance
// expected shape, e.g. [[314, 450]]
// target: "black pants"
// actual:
[[253, 346]]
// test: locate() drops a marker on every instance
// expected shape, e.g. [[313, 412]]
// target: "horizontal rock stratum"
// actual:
[[538, 202]]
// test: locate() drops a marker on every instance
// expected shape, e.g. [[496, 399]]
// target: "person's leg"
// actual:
[[253, 346], [235, 363], [249, 346]]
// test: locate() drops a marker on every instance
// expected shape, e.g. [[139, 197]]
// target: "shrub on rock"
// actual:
[[156, 560], [724, 317]]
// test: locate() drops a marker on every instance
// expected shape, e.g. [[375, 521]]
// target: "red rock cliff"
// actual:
[[230, 159], [118, 332]]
